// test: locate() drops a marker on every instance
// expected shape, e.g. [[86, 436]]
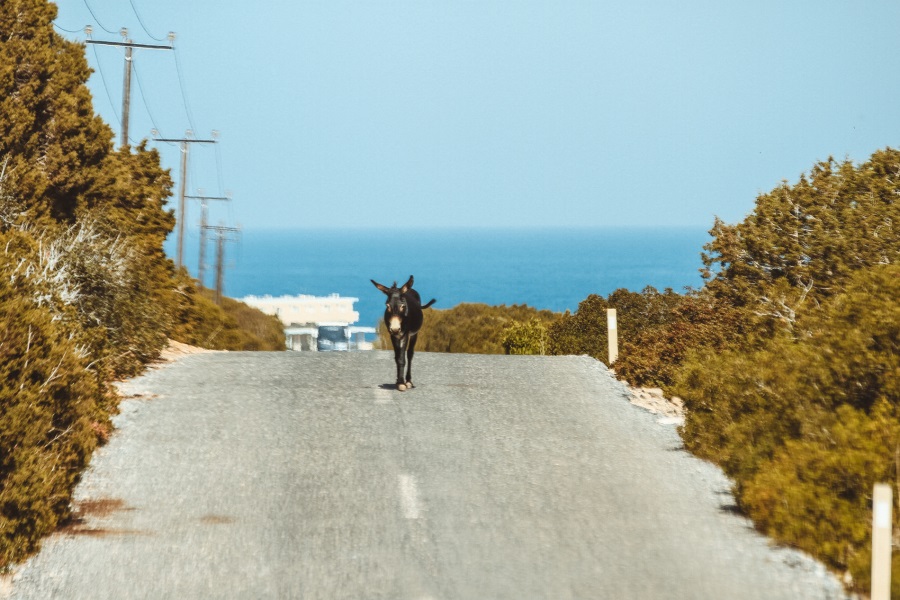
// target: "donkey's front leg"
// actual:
[[409, 356], [400, 358]]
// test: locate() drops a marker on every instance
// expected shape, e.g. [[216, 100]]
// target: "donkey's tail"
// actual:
[[430, 302]]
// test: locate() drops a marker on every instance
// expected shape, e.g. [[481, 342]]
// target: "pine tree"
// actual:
[[53, 142], [803, 242]]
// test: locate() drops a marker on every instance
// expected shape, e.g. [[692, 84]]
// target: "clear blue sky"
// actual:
[[503, 113]]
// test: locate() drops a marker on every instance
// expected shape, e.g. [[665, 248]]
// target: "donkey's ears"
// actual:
[[380, 287], [387, 290]]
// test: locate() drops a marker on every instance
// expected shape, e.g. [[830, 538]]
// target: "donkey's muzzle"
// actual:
[[394, 325]]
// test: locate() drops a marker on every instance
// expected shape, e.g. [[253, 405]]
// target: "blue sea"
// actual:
[[545, 268]]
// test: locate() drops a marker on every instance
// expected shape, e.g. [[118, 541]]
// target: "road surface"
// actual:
[[305, 475]]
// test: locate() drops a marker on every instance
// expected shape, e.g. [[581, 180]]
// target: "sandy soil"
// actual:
[[670, 410], [176, 350]]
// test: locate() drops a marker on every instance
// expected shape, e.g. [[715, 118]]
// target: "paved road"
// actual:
[[288, 475]]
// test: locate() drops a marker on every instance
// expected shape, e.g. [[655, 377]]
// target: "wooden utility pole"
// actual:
[[221, 234], [126, 95], [220, 267], [204, 215], [182, 187], [126, 88]]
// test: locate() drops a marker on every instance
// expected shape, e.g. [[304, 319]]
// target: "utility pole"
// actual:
[[204, 214], [126, 87], [221, 233], [126, 94], [185, 141]]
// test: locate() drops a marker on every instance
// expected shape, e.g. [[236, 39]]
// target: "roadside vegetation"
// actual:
[[481, 329], [87, 295], [798, 397], [787, 358], [231, 325]]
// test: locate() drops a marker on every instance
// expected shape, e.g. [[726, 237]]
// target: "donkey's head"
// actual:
[[396, 307]]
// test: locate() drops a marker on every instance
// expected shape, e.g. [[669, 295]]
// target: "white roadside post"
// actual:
[[613, 335], [882, 534]]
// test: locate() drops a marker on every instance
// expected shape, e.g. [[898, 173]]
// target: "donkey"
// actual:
[[403, 317]]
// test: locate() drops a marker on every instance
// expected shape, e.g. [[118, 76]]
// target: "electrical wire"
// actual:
[[69, 30], [141, 21], [184, 98], [191, 174], [204, 165], [112, 104], [90, 10], [219, 170], [230, 211], [181, 83], [105, 87], [144, 98]]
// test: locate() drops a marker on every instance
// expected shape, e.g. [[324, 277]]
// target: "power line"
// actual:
[[144, 98], [185, 144], [105, 87], [223, 234], [204, 217], [141, 21], [204, 165], [90, 10], [68, 30], [219, 169], [126, 94], [191, 175], [171, 38], [184, 98], [219, 174]]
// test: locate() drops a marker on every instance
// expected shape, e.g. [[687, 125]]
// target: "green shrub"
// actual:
[[585, 331], [122, 308], [741, 405], [261, 331], [791, 383], [530, 337], [654, 356], [231, 326], [807, 424], [816, 494], [469, 328], [52, 412]]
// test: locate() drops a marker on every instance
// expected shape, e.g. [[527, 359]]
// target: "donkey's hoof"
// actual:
[[409, 385], [401, 387]]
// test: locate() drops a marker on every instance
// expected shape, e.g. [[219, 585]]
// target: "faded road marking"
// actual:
[[409, 496], [383, 396]]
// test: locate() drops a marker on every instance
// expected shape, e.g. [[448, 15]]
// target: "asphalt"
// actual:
[[305, 475]]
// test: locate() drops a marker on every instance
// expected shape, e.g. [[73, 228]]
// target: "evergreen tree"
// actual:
[[50, 137], [803, 242]]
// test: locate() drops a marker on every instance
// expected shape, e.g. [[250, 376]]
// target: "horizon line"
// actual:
[[476, 227]]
